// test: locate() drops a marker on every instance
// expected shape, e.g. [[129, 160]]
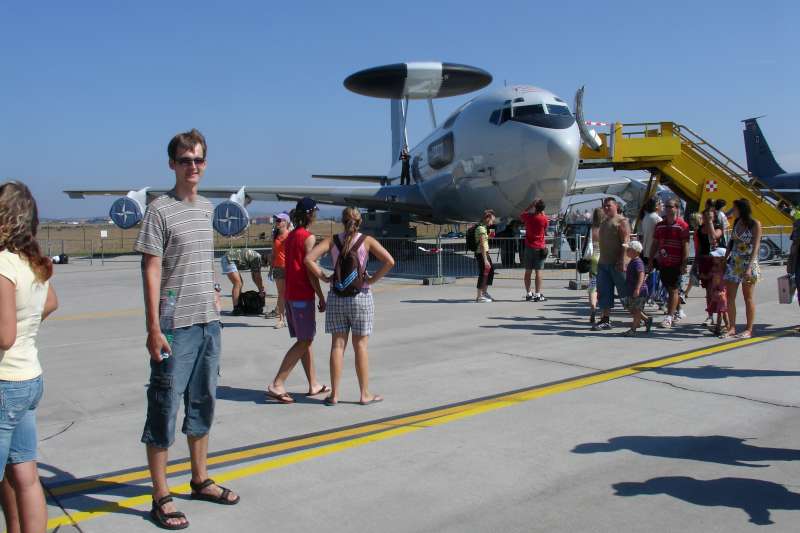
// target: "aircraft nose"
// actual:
[[563, 148]]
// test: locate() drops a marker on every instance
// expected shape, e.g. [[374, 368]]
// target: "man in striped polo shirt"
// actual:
[[177, 246], [670, 251]]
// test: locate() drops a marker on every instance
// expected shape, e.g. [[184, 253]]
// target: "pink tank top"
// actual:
[[362, 250]]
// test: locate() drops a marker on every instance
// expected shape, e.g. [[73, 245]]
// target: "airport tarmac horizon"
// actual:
[[509, 416]]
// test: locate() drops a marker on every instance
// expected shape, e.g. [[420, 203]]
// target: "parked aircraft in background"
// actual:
[[500, 150], [761, 163]]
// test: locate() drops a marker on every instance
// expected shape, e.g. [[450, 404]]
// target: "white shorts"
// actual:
[[228, 267]]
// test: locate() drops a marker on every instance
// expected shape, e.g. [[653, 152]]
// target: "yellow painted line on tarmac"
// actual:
[[323, 445]]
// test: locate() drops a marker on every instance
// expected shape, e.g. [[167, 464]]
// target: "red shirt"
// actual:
[[671, 238], [298, 286], [535, 229]]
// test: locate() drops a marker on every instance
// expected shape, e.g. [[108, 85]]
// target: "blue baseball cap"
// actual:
[[306, 205]]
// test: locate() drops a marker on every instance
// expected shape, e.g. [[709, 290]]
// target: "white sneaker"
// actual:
[[488, 296], [679, 315], [667, 322], [482, 300]]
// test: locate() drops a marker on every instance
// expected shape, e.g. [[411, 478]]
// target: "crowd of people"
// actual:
[[176, 243]]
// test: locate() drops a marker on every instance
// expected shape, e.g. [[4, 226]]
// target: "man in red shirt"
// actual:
[[301, 286], [671, 251], [535, 248]]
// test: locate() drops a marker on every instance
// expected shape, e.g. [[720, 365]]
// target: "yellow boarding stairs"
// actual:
[[686, 163]]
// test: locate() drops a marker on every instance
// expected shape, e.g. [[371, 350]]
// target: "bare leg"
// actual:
[[338, 346], [236, 281], [673, 301], [732, 289], [198, 452], [749, 306], [279, 305], [362, 368], [31, 507], [527, 279], [637, 318], [157, 462], [593, 300], [9, 501], [298, 350], [311, 375], [538, 282]]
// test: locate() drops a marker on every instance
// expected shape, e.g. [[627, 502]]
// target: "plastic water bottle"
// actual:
[[167, 319]]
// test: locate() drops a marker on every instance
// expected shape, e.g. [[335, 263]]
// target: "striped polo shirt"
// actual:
[[181, 233]]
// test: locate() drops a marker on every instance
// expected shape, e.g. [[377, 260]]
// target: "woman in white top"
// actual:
[[350, 309], [26, 298]]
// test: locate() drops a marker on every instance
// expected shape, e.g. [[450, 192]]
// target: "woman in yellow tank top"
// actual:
[[26, 298]]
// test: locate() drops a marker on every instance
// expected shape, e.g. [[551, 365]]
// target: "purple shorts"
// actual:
[[301, 317]]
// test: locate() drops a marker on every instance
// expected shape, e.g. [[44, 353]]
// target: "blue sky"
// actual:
[[91, 92]]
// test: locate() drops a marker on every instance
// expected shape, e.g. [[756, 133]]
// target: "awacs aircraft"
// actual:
[[761, 163], [500, 150]]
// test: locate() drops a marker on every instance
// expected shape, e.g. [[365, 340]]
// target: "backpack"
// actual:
[[250, 303], [349, 275], [472, 242]]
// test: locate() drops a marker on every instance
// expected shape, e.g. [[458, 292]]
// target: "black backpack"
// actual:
[[472, 242], [349, 275], [251, 303]]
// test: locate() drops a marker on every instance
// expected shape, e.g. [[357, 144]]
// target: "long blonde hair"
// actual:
[[19, 221], [351, 220]]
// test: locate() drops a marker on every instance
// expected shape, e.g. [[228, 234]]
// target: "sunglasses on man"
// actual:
[[186, 161]]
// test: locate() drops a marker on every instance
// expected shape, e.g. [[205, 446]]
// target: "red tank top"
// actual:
[[298, 286]]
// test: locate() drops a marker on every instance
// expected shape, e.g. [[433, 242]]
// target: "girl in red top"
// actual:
[[300, 313]]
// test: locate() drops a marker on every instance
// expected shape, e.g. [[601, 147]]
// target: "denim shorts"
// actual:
[[191, 371], [18, 401], [608, 278]]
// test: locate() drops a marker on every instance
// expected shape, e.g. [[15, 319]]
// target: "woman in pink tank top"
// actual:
[[350, 306]]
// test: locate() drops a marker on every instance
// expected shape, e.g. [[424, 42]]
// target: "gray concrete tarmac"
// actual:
[[706, 445]]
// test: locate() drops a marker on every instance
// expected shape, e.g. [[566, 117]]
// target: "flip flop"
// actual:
[[376, 399], [744, 335], [322, 390], [280, 398]]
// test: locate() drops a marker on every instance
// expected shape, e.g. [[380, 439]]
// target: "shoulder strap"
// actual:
[[337, 242], [359, 242]]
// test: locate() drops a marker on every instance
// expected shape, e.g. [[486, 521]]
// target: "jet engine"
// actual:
[[128, 210]]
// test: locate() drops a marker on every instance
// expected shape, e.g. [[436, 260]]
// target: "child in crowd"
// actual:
[[637, 289], [717, 294]]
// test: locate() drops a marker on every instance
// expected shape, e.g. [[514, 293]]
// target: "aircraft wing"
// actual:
[[617, 186], [390, 198], [363, 178]]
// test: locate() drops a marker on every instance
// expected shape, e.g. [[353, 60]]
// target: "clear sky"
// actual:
[[91, 92]]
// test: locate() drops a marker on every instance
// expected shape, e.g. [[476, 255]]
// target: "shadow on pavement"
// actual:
[[259, 396], [719, 372], [81, 500], [753, 496], [712, 449]]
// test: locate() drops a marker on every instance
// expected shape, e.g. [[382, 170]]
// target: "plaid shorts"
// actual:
[[344, 313]]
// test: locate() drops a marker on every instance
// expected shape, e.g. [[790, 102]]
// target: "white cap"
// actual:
[[636, 246]]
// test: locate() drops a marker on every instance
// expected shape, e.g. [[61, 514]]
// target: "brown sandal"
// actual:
[[161, 518], [222, 499]]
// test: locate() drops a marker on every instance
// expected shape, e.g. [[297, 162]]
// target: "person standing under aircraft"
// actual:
[[535, 248], [177, 246], [614, 231], [647, 226], [26, 299], [350, 310], [482, 259], [301, 286], [670, 250], [597, 219], [405, 167], [793, 264]]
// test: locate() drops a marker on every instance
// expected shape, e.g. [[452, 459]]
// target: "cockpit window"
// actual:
[[558, 110], [522, 112], [495, 117]]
